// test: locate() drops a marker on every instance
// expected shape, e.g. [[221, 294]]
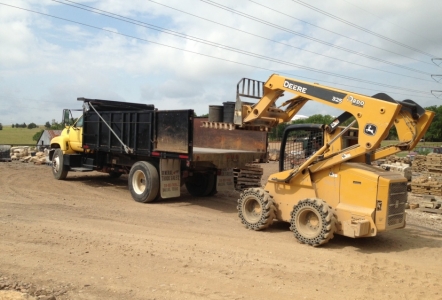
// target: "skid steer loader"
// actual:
[[331, 188]]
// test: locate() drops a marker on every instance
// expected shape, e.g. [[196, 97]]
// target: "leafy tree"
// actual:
[[392, 134], [37, 135], [315, 119], [16, 125], [13, 125], [32, 125], [23, 125], [47, 125], [1, 126], [434, 133], [276, 133]]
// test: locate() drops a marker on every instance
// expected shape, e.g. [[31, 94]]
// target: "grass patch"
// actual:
[[17, 136]]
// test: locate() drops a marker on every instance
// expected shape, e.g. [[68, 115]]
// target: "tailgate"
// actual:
[[174, 131]]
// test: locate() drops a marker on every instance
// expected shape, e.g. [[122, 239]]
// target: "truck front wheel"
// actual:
[[59, 170], [144, 182]]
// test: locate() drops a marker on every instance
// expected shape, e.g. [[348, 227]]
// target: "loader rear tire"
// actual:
[[201, 184], [144, 182], [59, 170], [312, 222], [256, 209]]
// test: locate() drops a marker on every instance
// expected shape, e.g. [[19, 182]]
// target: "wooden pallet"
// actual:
[[247, 177]]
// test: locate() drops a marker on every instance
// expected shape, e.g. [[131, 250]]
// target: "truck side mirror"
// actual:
[[66, 115]]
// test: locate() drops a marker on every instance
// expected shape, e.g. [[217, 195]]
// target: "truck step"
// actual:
[[81, 169]]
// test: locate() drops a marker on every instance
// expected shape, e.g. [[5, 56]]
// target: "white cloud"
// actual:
[[52, 62]]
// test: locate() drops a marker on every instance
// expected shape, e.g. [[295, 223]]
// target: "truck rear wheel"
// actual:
[[201, 184], [59, 170], [144, 182], [312, 222], [256, 209], [115, 175]]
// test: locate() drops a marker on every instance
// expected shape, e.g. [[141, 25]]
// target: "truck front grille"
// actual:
[[396, 203]]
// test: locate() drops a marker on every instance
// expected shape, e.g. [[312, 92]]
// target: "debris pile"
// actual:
[[393, 159], [274, 155], [396, 164]]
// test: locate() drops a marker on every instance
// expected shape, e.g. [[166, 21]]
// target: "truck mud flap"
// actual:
[[170, 178]]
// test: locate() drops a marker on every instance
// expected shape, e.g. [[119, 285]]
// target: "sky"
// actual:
[[189, 54]]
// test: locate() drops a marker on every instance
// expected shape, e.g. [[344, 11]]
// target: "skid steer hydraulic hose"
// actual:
[[313, 157], [126, 148]]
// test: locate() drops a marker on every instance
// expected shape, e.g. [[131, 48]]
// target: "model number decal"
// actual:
[[356, 102]]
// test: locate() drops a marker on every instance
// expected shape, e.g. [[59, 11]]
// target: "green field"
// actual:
[[17, 136]]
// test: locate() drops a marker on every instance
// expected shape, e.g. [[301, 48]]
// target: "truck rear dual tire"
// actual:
[[201, 184], [59, 170], [115, 175], [144, 182]]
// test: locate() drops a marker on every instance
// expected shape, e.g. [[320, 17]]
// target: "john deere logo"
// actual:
[[370, 129]]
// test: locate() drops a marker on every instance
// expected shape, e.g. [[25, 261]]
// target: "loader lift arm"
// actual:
[[375, 115]]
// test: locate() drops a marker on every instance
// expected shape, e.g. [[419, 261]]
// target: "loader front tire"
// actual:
[[59, 170], [312, 222], [144, 182], [256, 209]]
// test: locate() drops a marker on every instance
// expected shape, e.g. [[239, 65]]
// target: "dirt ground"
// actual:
[[85, 238]]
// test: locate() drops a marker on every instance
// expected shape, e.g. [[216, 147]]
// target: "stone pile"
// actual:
[[430, 180], [27, 155]]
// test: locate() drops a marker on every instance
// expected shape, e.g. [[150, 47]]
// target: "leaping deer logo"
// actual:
[[370, 129]]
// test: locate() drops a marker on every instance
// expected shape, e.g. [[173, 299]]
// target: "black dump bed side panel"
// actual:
[[138, 126], [132, 123]]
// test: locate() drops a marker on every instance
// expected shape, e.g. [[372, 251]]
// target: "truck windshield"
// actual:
[[79, 122]]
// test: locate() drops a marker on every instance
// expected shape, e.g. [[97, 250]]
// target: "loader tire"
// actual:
[[256, 209], [59, 170], [201, 184], [144, 182], [312, 222]]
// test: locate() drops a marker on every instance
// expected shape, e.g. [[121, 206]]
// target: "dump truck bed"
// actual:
[[168, 134]]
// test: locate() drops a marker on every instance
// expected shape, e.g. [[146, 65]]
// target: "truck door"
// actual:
[[76, 134]]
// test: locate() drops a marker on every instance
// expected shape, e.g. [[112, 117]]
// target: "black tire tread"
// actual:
[[268, 212], [328, 222]]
